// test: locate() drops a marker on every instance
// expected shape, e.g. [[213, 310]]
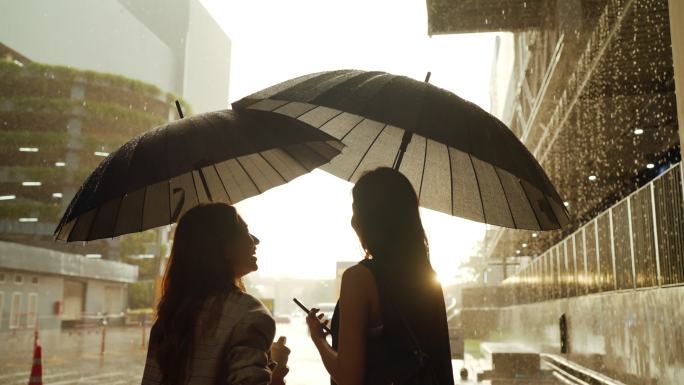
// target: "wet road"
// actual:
[[74, 357]]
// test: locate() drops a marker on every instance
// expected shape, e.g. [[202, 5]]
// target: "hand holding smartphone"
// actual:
[[301, 305]]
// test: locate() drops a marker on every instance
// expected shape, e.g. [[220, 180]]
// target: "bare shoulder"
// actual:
[[359, 276]]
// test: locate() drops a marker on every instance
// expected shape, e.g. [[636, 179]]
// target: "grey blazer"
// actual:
[[236, 353]]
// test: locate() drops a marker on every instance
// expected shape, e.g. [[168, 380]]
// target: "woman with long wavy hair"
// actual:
[[208, 330], [389, 326]]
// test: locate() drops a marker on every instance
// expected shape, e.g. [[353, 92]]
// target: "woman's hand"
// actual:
[[315, 324], [278, 376]]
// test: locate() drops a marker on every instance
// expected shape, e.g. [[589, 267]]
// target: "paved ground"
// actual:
[[74, 357]]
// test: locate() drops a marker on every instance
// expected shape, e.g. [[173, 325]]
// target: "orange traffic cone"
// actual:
[[37, 367]]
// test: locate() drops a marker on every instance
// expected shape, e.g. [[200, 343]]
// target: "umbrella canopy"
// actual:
[[219, 156], [460, 159]]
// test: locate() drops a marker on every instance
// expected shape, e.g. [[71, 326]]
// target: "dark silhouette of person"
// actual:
[[208, 329], [391, 301]]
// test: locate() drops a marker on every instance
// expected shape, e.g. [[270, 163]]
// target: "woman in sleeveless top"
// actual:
[[208, 330], [391, 301]]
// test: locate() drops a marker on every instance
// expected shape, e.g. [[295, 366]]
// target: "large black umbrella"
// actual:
[[219, 156], [461, 159]]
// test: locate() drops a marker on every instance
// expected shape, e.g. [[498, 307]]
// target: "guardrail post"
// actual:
[[612, 248], [631, 241], [655, 234]]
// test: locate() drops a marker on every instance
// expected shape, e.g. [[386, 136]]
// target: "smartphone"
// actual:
[[301, 305]]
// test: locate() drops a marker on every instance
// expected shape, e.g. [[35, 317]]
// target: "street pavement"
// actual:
[[73, 357]]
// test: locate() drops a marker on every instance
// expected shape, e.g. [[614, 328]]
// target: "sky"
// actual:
[[304, 226]]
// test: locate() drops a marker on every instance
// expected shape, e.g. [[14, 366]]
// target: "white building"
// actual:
[[173, 44]]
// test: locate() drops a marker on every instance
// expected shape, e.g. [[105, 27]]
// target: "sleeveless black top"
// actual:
[[421, 307]]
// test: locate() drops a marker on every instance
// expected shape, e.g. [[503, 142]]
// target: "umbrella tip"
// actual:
[[180, 110]]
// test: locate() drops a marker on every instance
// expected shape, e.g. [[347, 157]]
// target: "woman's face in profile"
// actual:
[[244, 248]]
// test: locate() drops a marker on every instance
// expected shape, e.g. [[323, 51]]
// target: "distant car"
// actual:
[[282, 319]]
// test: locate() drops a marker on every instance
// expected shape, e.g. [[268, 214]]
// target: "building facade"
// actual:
[[174, 45], [46, 289], [592, 88]]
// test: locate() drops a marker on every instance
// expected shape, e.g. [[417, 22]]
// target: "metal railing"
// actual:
[[637, 243]]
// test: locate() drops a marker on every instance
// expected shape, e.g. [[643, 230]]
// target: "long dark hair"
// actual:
[[199, 273], [387, 220]]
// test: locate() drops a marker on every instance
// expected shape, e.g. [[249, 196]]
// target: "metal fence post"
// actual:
[[598, 255], [631, 241], [586, 268], [612, 247], [655, 235]]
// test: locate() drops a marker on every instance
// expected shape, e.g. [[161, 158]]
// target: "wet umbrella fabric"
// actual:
[[219, 156], [461, 160]]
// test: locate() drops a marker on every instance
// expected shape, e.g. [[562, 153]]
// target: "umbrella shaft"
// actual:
[[405, 140], [204, 184]]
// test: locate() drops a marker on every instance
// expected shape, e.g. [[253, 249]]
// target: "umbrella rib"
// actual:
[[305, 112], [508, 204], [479, 190], [552, 212], [116, 216], [352, 129], [280, 106], [274, 169], [248, 176], [451, 179], [422, 174], [222, 183], [194, 184], [536, 217], [366, 153], [92, 223], [333, 117], [142, 210], [285, 150], [168, 185], [68, 239]]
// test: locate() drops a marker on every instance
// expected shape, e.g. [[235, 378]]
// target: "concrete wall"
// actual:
[[95, 35], [635, 336], [48, 289], [15, 256], [207, 62], [96, 302], [676, 9]]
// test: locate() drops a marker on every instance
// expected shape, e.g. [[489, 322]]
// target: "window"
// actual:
[[15, 311], [18, 279], [2, 277], [34, 280], [32, 311], [2, 305]]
